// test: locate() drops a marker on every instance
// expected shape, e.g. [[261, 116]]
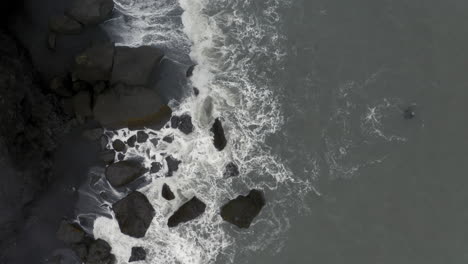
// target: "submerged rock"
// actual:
[[142, 137], [123, 172], [188, 211], [64, 25], [172, 165], [133, 66], [166, 192], [196, 91], [138, 253], [134, 214], [155, 167], [107, 156], [89, 12], [99, 252], [131, 107], [231, 170], [242, 210], [119, 146], [95, 63], [70, 232], [219, 140], [409, 112]]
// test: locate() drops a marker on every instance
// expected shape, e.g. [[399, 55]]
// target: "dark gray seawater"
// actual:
[[313, 95]]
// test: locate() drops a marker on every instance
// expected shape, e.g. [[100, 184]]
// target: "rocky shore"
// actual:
[[58, 97]]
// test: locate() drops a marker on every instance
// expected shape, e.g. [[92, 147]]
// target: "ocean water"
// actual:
[[311, 94]]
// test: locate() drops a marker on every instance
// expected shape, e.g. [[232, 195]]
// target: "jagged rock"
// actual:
[[190, 71], [242, 210], [134, 214], [82, 104], [142, 137], [172, 165], [91, 12], [131, 141], [188, 211], [231, 170], [119, 146], [155, 167], [123, 172], [183, 123], [95, 63], [93, 134], [138, 253], [64, 25], [169, 138], [219, 139], [133, 66], [132, 107], [51, 41], [100, 253], [61, 86], [166, 192], [107, 156], [70, 232]]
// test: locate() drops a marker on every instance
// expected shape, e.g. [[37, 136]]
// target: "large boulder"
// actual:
[[133, 66], [187, 212], [90, 12], [219, 140], [138, 253], [242, 210], [70, 232], [64, 25], [123, 172], [95, 63], [134, 214], [132, 107]]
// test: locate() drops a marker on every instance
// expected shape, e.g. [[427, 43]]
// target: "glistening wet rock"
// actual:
[[231, 170], [95, 63], [172, 165], [134, 214], [70, 232], [166, 192], [219, 139], [138, 253], [64, 25], [187, 212], [90, 12], [123, 172], [242, 210], [134, 66]]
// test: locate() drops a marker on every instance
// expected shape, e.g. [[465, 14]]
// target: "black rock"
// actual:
[[138, 253], [219, 139], [190, 71], [166, 192], [134, 214], [188, 211], [169, 138], [123, 172], [409, 113], [131, 107], [155, 167], [175, 120], [120, 156], [95, 63], [82, 104], [103, 142], [154, 141], [70, 232], [51, 41], [91, 12], [172, 165], [131, 141], [99, 87], [196, 91], [119, 146], [93, 134], [231, 170], [142, 137], [134, 66], [61, 86], [81, 250], [184, 123], [242, 210], [107, 156], [64, 25], [78, 86], [100, 253]]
